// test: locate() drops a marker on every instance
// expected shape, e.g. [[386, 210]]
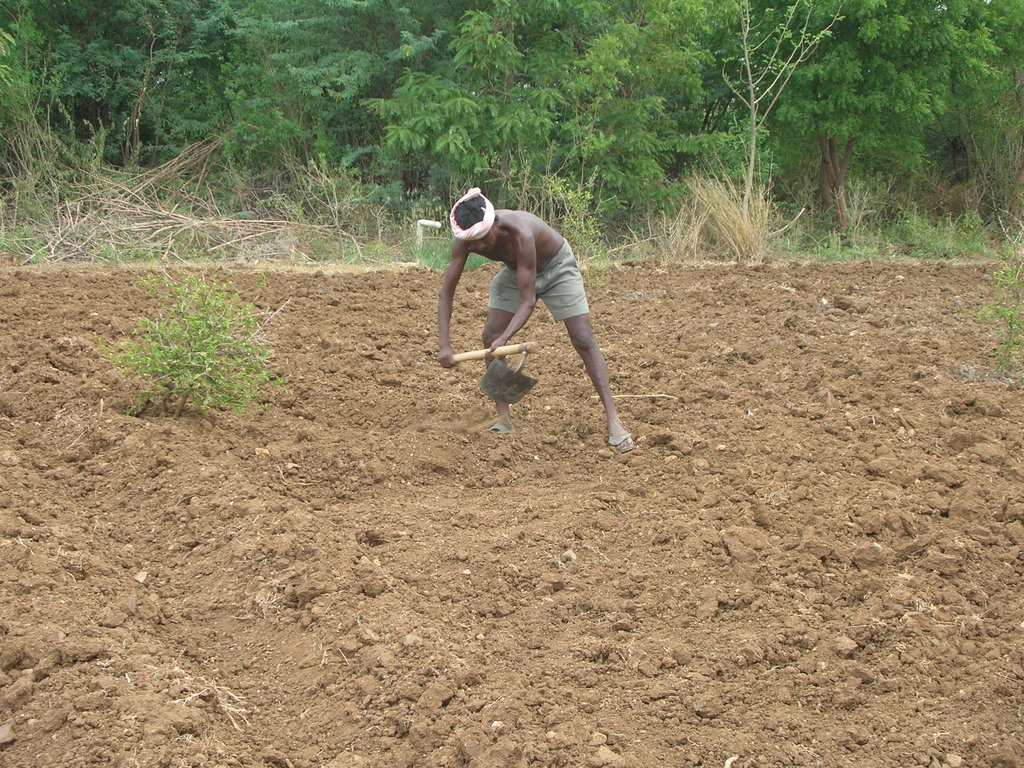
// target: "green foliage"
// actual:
[[573, 209], [351, 117], [891, 58], [108, 253], [300, 71], [434, 252], [989, 84], [834, 250], [924, 238], [601, 94], [465, 119], [206, 347], [1007, 314], [910, 234], [145, 73], [21, 245]]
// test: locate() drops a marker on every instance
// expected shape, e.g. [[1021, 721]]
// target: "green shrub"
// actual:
[[434, 253], [924, 238], [206, 348], [1007, 314], [573, 205]]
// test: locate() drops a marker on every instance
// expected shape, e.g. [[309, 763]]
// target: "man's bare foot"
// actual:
[[500, 427]]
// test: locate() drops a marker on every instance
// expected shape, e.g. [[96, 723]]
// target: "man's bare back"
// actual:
[[514, 230]]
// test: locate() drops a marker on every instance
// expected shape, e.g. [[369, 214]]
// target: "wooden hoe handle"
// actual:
[[511, 349]]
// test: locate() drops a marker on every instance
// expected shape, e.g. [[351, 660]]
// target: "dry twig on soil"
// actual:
[[223, 699]]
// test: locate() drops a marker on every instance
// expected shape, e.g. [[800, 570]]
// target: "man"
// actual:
[[538, 264]]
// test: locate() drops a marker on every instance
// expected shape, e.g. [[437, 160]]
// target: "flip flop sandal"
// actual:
[[622, 443]]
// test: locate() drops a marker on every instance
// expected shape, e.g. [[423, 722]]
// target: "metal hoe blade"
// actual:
[[504, 384]]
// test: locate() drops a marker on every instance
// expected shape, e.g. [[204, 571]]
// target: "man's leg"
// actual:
[[497, 321], [581, 334]]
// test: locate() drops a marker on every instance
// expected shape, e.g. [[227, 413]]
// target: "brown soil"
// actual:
[[814, 557]]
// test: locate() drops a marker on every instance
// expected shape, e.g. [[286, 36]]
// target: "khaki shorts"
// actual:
[[559, 286]]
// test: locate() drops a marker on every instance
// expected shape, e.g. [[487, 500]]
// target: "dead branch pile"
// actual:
[[167, 212]]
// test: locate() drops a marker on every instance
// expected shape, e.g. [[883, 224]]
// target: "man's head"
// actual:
[[470, 212], [472, 216]]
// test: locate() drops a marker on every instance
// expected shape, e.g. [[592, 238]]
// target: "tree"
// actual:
[[596, 93], [772, 47], [488, 101], [302, 71], [874, 85], [634, 99], [142, 72], [992, 85]]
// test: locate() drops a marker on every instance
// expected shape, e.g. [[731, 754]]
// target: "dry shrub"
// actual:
[[165, 212], [712, 223], [335, 198], [681, 237], [741, 226]]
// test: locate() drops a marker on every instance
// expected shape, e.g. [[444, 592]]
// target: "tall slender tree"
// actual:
[[773, 46]]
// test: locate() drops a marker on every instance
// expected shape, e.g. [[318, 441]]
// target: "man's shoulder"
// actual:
[[508, 214], [522, 221]]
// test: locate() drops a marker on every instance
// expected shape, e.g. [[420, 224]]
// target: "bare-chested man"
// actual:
[[538, 264]]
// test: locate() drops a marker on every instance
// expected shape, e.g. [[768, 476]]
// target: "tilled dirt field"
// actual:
[[813, 558]]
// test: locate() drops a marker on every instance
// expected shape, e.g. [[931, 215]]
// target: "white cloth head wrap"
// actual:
[[482, 227]]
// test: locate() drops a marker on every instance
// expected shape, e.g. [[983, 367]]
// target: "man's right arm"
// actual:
[[445, 298]]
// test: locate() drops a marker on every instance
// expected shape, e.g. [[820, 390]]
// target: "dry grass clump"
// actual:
[[166, 212], [742, 224], [682, 237], [716, 221]]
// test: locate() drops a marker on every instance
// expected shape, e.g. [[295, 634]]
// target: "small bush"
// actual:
[[927, 239], [573, 207], [205, 348], [1007, 314], [743, 226]]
